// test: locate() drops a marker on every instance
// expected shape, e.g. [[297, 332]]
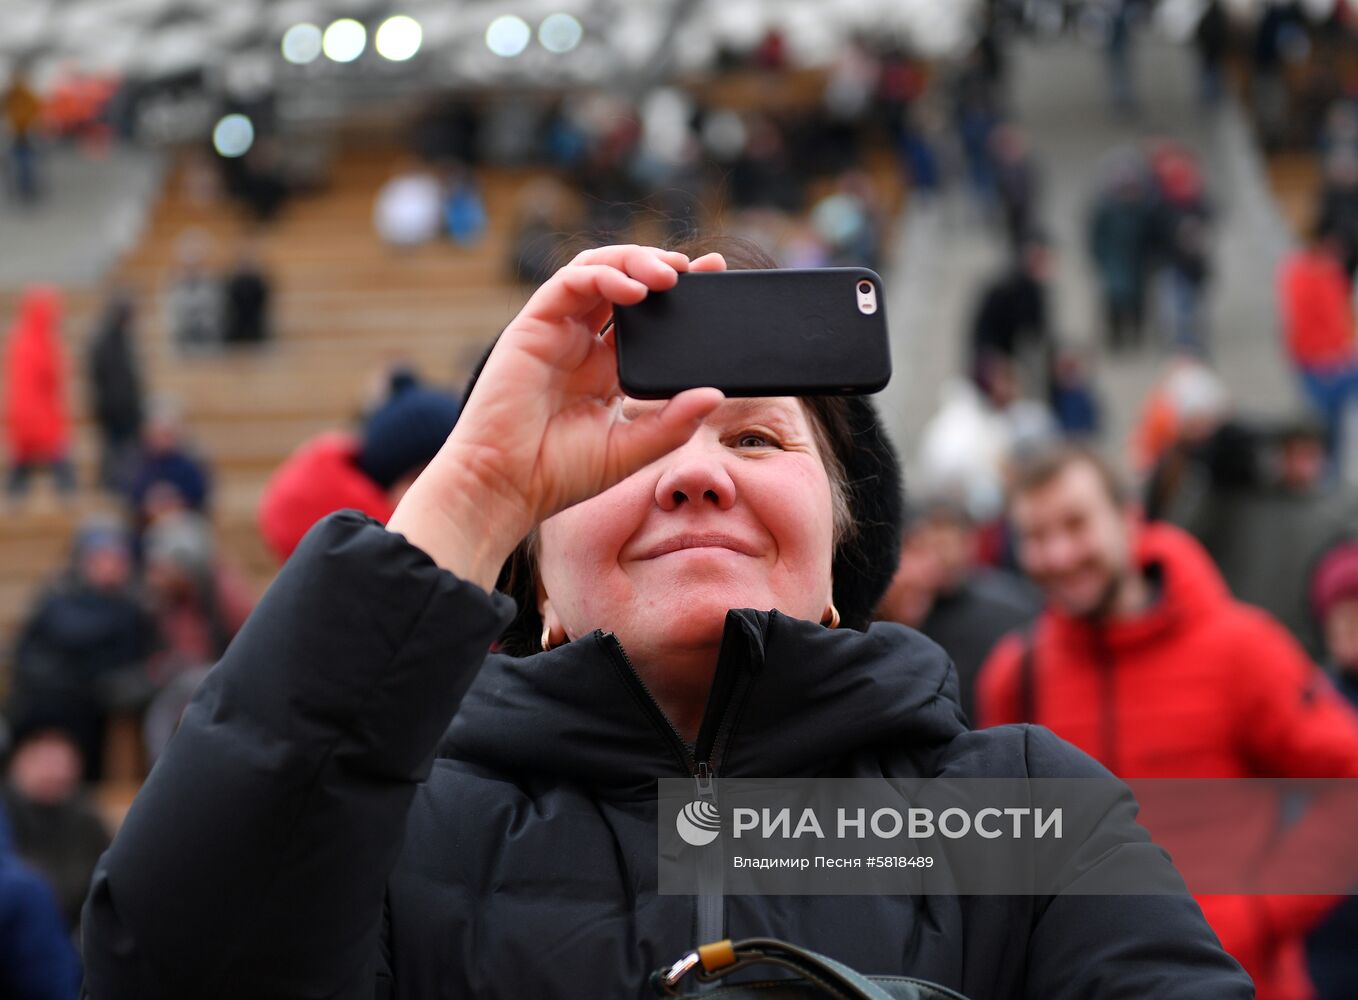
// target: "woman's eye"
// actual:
[[751, 439]]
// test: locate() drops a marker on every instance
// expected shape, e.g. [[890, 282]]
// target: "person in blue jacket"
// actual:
[[37, 960]]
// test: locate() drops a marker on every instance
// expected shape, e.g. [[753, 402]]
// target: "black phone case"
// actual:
[[756, 333]]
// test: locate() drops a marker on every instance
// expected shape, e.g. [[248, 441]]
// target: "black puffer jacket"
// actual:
[[299, 839]]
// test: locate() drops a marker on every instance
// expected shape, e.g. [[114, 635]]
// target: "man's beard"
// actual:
[[1107, 602]]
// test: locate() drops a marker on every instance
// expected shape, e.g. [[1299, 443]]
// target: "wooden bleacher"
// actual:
[[344, 307]]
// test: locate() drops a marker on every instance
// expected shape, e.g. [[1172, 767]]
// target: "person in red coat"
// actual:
[[35, 398], [1142, 659], [1318, 329], [368, 472]]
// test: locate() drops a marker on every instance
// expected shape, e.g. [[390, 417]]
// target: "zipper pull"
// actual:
[[705, 779]]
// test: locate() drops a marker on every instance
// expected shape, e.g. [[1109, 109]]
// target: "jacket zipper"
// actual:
[[710, 922], [1108, 692]]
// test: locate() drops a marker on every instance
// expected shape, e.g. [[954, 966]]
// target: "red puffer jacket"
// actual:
[[35, 410], [319, 478], [1200, 686]]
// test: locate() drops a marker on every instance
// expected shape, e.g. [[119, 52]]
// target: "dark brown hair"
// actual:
[[1042, 467]]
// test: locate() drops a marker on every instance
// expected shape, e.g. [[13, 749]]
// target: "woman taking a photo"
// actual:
[[319, 829]]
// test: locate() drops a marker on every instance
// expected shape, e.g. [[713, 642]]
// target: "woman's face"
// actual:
[[739, 517]]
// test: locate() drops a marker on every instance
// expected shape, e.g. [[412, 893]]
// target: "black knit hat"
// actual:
[[865, 560], [406, 431]]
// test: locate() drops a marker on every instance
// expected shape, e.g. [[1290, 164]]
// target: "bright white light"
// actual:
[[234, 135], [399, 38], [344, 40], [508, 35], [302, 44], [560, 33]]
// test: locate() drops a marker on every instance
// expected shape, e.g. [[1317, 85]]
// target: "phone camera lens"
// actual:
[[865, 287]]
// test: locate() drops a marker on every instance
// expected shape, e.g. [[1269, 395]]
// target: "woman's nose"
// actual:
[[695, 474]]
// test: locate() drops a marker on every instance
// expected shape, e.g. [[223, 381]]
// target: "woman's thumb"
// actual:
[[652, 435]]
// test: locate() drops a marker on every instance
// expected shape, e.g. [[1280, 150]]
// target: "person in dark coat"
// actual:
[[56, 828], [167, 461], [246, 302], [969, 607], [37, 961], [1212, 39], [1120, 244], [1010, 321], [116, 391], [1330, 952], [317, 828], [85, 642]]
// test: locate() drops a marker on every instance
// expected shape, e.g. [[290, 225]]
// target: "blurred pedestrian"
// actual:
[[942, 589], [56, 828], [1018, 185], [22, 113], [1182, 242], [1203, 450], [1332, 957], [1074, 397], [464, 210], [199, 601], [82, 650], [36, 422], [246, 295], [369, 471], [116, 391], [976, 114], [194, 300], [37, 960], [1337, 213], [409, 207], [1010, 321], [1318, 330], [1121, 228], [1212, 39], [166, 460], [1144, 660], [1119, 52]]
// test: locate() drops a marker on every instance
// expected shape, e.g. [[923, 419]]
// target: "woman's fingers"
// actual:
[[632, 258], [708, 262], [637, 443], [587, 288]]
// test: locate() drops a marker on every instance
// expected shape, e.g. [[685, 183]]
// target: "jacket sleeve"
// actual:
[[1127, 946], [1291, 721], [1294, 724], [255, 859], [997, 694]]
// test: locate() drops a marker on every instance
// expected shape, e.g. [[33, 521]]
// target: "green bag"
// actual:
[[820, 976]]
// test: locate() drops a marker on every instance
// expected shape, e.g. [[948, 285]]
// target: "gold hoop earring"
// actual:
[[546, 638], [834, 617]]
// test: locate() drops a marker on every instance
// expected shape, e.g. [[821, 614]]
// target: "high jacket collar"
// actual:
[[1189, 588], [788, 698]]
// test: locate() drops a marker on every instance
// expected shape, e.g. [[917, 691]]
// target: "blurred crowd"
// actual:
[[793, 173], [1189, 609]]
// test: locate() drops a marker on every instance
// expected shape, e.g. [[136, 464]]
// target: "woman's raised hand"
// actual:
[[543, 428]]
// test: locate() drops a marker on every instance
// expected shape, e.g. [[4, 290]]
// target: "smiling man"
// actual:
[[1144, 660]]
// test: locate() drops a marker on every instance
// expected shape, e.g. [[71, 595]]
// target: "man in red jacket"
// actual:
[[1143, 660]]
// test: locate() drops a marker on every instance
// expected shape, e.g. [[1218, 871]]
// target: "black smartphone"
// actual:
[[794, 332]]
